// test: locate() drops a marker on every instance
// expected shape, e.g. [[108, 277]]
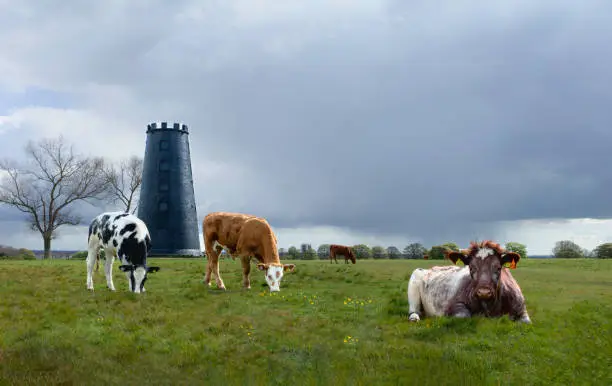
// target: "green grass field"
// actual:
[[329, 325]]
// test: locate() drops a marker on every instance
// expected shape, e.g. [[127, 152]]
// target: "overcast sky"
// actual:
[[382, 122]]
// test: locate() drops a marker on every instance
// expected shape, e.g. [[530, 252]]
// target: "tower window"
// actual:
[[163, 145], [163, 206]]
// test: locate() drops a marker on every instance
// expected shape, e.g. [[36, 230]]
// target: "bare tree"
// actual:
[[124, 182], [48, 185]]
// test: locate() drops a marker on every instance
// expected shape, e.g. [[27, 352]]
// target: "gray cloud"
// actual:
[[389, 118]]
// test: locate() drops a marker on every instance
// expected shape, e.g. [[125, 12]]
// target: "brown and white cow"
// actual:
[[244, 236], [342, 250], [483, 286]]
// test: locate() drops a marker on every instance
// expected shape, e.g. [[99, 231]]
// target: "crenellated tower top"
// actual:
[[163, 126]]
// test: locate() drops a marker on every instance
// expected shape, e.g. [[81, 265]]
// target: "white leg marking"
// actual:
[[108, 268], [414, 295], [525, 318], [91, 261]]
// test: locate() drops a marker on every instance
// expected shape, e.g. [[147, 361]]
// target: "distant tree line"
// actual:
[[10, 253], [563, 249], [414, 251], [567, 249]]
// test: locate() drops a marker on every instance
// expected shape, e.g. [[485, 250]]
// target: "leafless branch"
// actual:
[[124, 182]]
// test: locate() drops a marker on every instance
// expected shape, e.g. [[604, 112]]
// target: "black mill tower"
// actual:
[[167, 199]]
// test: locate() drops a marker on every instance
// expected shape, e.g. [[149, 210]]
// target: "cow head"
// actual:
[[485, 261], [274, 273], [137, 276], [351, 255]]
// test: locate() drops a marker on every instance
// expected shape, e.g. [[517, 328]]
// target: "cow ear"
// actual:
[[455, 256], [126, 268], [262, 267], [152, 269], [289, 267], [510, 258]]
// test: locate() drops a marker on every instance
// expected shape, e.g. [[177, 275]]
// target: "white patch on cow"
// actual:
[[430, 290], [139, 275], [216, 244], [274, 274], [484, 252]]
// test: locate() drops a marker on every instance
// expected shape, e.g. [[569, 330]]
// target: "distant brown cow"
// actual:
[[341, 250], [481, 287], [244, 236]]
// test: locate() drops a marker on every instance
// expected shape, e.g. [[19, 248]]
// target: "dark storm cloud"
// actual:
[[496, 124], [422, 121]]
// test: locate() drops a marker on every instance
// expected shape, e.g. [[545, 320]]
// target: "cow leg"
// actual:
[[208, 270], [91, 261], [210, 255], [213, 267], [246, 270], [525, 318], [414, 295], [109, 254], [460, 310], [521, 316], [97, 262], [218, 279]]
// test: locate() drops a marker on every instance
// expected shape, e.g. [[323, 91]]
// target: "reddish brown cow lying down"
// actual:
[[481, 287]]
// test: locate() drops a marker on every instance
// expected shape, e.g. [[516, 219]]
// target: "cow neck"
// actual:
[[269, 249]]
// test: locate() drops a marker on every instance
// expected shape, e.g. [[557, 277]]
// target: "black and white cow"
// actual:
[[125, 236]]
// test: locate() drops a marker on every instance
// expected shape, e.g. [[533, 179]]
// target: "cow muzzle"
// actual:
[[485, 293]]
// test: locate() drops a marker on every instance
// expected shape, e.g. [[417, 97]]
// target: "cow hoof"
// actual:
[[414, 317]]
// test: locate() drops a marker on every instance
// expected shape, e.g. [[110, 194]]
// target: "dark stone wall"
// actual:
[[167, 199]]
